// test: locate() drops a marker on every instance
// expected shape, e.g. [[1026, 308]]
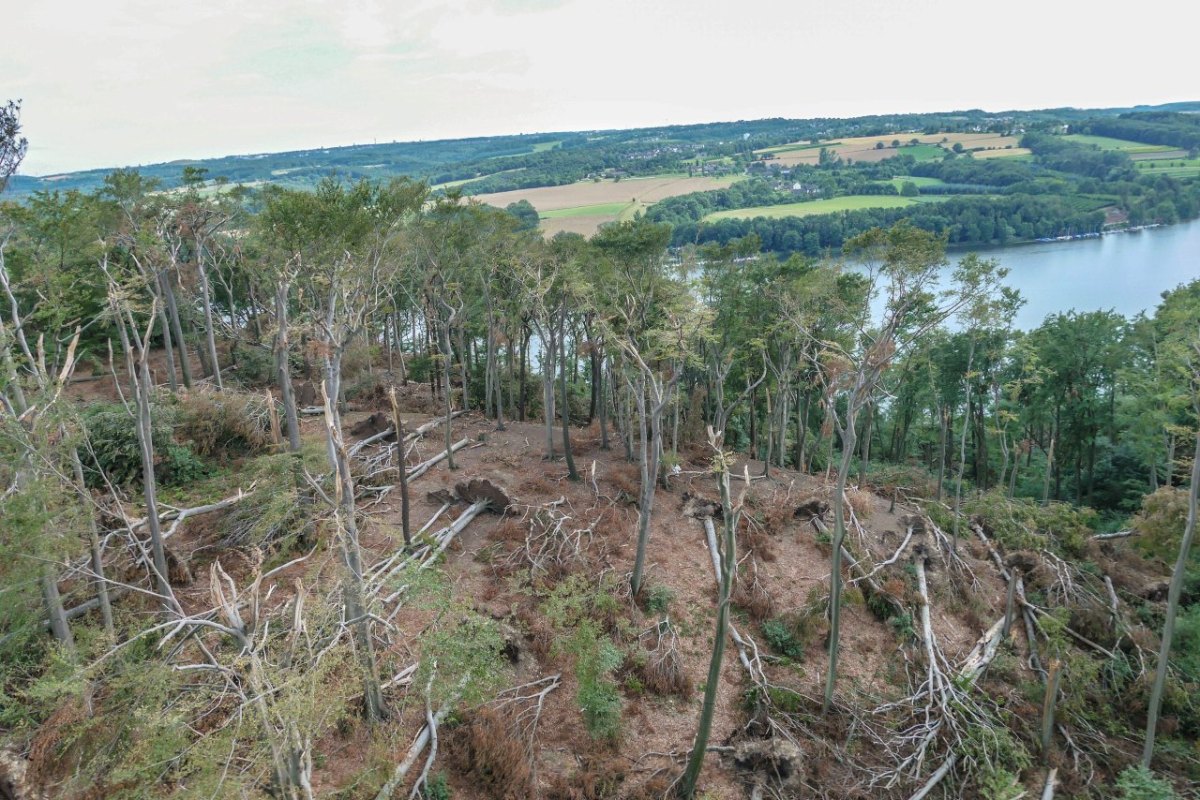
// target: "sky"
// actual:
[[127, 82]]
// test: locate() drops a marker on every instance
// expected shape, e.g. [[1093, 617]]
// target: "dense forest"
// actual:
[[364, 491]]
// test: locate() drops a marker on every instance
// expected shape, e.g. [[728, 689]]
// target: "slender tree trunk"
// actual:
[[347, 526], [185, 366], [603, 405], [728, 566], [566, 407], [446, 362], [168, 345], [548, 358], [97, 556], [401, 467], [54, 609], [283, 367], [1050, 462], [943, 434], [839, 536], [651, 443], [524, 360], [1173, 594], [801, 431]]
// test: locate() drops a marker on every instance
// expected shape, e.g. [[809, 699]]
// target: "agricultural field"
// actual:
[[584, 206], [1174, 167], [923, 147], [854, 202], [1108, 143], [918, 180]]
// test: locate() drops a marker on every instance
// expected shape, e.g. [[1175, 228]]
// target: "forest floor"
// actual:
[[784, 558]]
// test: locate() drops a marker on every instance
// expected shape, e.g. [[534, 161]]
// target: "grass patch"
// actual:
[[1108, 143], [831, 205], [917, 180], [600, 209]]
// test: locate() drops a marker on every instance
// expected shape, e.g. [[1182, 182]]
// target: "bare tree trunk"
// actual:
[[210, 334], [401, 466], [168, 345], [602, 403], [649, 459], [943, 434], [97, 555], [548, 353], [728, 566], [181, 343], [835, 576], [566, 406], [447, 357], [1173, 594], [347, 525], [54, 609], [962, 448], [1050, 462], [283, 368]]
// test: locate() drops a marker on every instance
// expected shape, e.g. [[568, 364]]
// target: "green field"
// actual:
[[1106, 143], [854, 202], [599, 209], [1174, 167], [922, 152], [920, 182]]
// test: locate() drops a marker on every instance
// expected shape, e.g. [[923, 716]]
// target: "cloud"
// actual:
[[137, 81]]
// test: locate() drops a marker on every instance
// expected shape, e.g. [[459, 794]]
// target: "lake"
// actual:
[[1123, 272]]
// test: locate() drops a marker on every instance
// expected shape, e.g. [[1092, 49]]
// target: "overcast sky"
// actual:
[[123, 82]]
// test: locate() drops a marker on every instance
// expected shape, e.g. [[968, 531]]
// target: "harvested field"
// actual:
[[583, 206], [923, 147]]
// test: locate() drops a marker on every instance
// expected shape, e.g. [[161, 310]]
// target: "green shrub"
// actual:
[[782, 638], [111, 448], [1021, 524], [659, 598], [254, 367], [1139, 783], [599, 699], [436, 788]]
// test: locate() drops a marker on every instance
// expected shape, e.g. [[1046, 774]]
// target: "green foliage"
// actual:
[[599, 698], [1185, 647], [992, 754], [1023, 524], [111, 448], [658, 599], [1139, 783], [463, 659], [1000, 784], [782, 638], [902, 624], [255, 368], [436, 788]]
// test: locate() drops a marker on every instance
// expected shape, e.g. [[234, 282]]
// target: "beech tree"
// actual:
[[904, 264]]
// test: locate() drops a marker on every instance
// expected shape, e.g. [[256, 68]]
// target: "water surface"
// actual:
[[1122, 272]]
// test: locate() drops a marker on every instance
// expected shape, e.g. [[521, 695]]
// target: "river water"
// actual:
[[1122, 272]]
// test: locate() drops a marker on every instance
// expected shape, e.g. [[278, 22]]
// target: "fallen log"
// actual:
[[424, 467], [1101, 537], [416, 433], [1051, 783]]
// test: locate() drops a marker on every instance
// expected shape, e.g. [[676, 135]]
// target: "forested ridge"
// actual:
[[367, 491]]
